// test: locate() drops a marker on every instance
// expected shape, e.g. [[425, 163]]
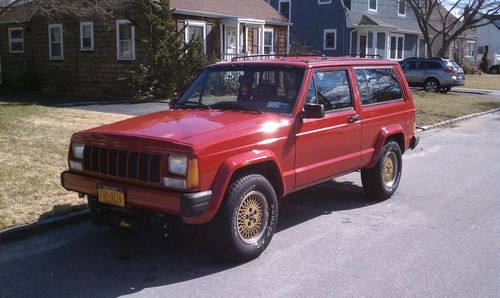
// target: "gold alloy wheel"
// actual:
[[252, 217], [390, 170]]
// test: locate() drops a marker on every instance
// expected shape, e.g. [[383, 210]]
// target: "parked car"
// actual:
[[245, 134], [434, 74], [495, 69]]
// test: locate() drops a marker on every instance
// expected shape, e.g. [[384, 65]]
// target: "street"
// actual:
[[439, 235]]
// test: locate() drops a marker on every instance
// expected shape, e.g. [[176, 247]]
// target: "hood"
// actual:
[[194, 127]]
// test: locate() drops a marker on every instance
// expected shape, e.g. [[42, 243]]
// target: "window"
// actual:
[[285, 8], [421, 48], [470, 49], [268, 41], [396, 47], [372, 5], [125, 40], [402, 7], [378, 85], [56, 43], [324, 2], [16, 40], [329, 39], [332, 89], [196, 30], [87, 36]]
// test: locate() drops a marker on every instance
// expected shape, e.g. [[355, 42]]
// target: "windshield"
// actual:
[[245, 88]]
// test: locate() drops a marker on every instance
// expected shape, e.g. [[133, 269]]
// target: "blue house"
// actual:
[[337, 27]]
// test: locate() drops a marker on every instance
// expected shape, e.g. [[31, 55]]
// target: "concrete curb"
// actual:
[[455, 120], [111, 102], [42, 225]]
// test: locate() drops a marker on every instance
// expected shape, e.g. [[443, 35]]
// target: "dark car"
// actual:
[[434, 74]]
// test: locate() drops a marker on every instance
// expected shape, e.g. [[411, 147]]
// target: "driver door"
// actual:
[[331, 145]]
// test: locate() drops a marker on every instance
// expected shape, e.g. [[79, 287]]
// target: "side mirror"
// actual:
[[314, 110]]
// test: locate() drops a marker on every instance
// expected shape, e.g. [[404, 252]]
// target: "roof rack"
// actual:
[[315, 57]]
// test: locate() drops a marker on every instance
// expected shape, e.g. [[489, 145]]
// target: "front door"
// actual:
[[231, 40], [362, 45], [331, 145]]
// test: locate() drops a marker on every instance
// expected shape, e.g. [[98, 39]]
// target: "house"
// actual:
[[337, 27], [463, 49], [97, 56], [489, 39]]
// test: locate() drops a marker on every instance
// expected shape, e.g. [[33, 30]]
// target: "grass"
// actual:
[[33, 148], [436, 107], [487, 81]]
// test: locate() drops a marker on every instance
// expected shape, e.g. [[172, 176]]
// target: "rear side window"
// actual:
[[429, 65], [377, 85], [332, 89]]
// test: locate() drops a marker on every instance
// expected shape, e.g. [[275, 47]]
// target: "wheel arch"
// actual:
[[393, 132]]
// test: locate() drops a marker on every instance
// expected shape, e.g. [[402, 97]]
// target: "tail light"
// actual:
[[451, 71]]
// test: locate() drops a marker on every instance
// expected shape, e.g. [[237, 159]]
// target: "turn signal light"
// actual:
[[193, 174]]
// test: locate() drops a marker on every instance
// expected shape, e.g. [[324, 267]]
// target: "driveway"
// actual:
[[439, 235]]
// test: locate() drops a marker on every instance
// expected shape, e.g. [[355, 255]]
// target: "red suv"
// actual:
[[245, 134]]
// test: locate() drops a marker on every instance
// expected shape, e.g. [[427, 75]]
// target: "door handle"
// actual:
[[354, 118]]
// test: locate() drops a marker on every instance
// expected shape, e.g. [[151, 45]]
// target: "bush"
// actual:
[[172, 64]]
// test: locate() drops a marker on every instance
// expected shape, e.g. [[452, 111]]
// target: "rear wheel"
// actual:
[[246, 220], [382, 181], [431, 85], [445, 89]]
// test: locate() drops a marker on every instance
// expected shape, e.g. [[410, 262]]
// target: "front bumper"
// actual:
[[186, 205]]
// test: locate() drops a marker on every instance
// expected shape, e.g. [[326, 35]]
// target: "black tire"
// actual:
[[444, 89], [228, 232], [431, 85], [373, 180]]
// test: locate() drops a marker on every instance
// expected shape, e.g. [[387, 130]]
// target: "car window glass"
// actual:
[[311, 93], [364, 91], [383, 85], [333, 89]]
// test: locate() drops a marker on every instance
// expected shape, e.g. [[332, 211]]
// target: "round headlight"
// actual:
[[77, 150], [177, 165]]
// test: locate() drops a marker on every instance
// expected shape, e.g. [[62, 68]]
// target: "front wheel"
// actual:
[[381, 181], [246, 220]]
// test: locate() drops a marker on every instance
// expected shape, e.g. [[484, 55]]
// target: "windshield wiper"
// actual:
[[232, 105], [191, 105]]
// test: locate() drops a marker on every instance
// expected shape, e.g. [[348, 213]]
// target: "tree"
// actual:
[[78, 8], [172, 64], [445, 20]]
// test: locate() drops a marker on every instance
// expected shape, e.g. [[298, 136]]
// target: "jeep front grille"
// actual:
[[122, 163]]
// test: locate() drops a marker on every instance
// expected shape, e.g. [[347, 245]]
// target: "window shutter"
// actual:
[[210, 39], [255, 41], [276, 42]]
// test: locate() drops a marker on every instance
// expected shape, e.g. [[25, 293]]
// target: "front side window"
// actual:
[[332, 89], [285, 9], [372, 5], [244, 88], [16, 40], [329, 39], [381, 83], [268, 41], [402, 7], [125, 40], [470, 49], [87, 36], [196, 30], [56, 46]]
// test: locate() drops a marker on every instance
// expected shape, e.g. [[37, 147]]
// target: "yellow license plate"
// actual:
[[111, 195]]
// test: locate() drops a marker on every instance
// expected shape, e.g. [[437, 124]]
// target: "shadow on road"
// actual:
[[101, 261]]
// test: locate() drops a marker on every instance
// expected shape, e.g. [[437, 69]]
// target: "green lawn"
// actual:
[[436, 107], [487, 81], [33, 147]]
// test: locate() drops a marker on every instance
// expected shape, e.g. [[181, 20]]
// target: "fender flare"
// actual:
[[385, 133], [223, 177]]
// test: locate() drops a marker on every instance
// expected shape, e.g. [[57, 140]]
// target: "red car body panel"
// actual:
[[305, 151]]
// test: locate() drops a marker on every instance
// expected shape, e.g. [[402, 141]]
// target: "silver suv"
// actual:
[[434, 74]]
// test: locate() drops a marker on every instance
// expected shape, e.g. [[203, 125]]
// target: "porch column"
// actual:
[[238, 42], [261, 41]]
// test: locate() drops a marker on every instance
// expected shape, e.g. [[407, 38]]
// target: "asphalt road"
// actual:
[[438, 236]]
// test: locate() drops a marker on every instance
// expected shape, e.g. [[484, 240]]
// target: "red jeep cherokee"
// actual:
[[245, 134]]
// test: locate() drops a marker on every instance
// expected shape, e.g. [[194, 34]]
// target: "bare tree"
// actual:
[[78, 8], [444, 21]]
